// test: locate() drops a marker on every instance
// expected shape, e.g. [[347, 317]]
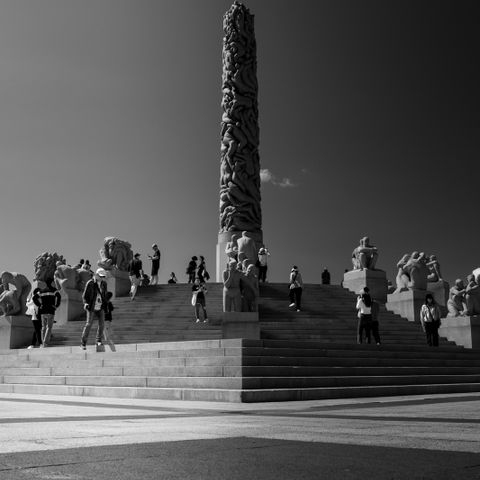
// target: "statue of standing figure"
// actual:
[[232, 295], [365, 256], [247, 251]]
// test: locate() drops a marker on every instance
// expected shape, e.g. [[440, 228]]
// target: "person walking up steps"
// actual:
[[47, 299], [198, 300], [296, 288], [135, 271]]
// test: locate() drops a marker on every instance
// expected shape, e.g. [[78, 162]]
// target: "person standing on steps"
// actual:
[[430, 319], [262, 264], [95, 301], [198, 300], [296, 288], [202, 273], [326, 277], [135, 272], [155, 258], [192, 269], [364, 307], [107, 331], [375, 324], [32, 310]]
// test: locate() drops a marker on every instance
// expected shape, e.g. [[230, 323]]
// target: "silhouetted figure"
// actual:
[[326, 277]]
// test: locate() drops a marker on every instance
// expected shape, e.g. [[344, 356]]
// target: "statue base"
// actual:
[[440, 291], [241, 325], [221, 256], [118, 282], [463, 331], [15, 332], [375, 280], [407, 304], [71, 306]]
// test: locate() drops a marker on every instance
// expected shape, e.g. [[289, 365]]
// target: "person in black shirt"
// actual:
[[155, 258], [47, 298], [135, 271], [198, 300], [95, 304]]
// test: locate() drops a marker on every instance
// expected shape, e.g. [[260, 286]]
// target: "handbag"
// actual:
[[194, 299]]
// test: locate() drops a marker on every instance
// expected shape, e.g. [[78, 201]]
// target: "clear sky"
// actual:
[[369, 125]]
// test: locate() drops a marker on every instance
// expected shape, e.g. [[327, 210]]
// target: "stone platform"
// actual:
[[375, 280], [239, 370]]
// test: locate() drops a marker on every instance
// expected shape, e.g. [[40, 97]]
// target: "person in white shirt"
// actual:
[[296, 288], [263, 255], [364, 308]]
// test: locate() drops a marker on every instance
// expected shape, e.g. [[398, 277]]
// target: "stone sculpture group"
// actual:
[[465, 299], [240, 280]]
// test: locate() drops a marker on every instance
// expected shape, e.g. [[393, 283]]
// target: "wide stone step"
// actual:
[[238, 395]]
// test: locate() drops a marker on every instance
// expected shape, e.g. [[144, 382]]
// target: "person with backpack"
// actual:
[[47, 298], [364, 308]]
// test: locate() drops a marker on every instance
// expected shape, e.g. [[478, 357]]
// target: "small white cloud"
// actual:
[[266, 176], [286, 183]]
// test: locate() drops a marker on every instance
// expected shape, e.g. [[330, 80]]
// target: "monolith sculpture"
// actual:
[[240, 209]]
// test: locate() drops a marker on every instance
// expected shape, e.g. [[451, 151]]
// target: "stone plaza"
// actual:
[[261, 389]]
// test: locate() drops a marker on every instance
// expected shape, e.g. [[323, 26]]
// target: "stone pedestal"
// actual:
[[71, 306], [118, 282], [15, 332], [375, 280], [407, 303], [440, 291], [463, 331], [241, 325], [221, 256]]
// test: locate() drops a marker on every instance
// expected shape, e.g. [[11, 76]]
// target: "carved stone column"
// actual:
[[240, 165]]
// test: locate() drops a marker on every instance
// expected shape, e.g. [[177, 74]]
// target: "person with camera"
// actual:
[[95, 301], [364, 308]]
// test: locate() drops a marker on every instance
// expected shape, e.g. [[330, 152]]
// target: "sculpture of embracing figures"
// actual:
[[115, 253], [15, 288], [464, 299], [412, 272]]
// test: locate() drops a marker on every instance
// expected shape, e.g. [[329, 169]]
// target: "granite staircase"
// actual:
[[328, 315], [240, 371], [160, 313], [161, 353]]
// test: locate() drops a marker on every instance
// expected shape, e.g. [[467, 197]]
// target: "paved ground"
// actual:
[[419, 437]]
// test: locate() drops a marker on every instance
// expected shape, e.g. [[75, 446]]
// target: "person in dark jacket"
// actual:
[[135, 272], [47, 298], [95, 301]]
